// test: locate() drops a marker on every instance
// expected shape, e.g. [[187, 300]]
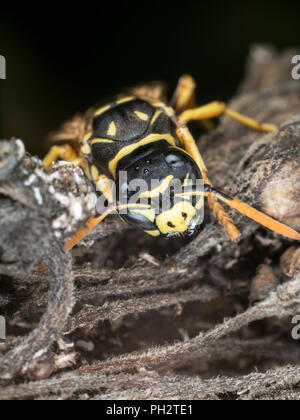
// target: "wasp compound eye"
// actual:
[[180, 164]]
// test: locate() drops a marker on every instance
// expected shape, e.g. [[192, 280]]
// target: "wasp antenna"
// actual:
[[254, 214], [89, 226], [94, 221]]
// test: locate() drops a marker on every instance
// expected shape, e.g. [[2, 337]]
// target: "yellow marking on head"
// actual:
[[127, 150], [86, 149], [95, 141], [141, 115], [154, 233], [127, 99], [112, 129], [87, 137], [148, 213], [155, 116], [188, 195], [101, 110], [177, 219], [159, 190], [94, 172]]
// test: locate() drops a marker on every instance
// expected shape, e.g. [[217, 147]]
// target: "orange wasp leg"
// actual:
[[188, 143]]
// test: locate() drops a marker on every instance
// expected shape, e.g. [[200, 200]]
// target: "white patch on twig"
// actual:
[[31, 180], [38, 195]]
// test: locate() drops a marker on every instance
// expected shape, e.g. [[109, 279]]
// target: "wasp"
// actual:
[[144, 135]]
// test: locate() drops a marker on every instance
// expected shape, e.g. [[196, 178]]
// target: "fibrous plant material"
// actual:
[[153, 319]]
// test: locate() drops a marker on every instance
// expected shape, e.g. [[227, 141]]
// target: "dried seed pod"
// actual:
[[290, 262], [263, 283]]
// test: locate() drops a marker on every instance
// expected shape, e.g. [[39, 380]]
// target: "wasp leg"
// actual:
[[184, 98], [65, 152], [248, 211], [83, 164], [216, 109], [256, 215], [188, 143], [106, 187], [184, 95]]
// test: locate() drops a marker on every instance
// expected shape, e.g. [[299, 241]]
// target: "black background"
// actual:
[[62, 58]]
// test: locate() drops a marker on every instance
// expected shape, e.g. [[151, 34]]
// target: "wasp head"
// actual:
[[165, 187]]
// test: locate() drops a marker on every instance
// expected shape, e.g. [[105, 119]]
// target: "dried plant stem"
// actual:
[[89, 316], [151, 385], [60, 304], [284, 302]]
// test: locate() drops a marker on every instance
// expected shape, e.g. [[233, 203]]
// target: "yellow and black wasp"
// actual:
[[147, 138]]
